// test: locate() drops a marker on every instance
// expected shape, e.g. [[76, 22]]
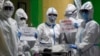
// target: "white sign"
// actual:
[[67, 25], [28, 33]]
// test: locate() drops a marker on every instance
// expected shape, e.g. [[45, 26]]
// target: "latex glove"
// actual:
[[76, 25], [36, 35], [19, 34], [73, 46]]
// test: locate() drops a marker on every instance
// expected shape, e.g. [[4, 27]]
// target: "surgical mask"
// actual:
[[52, 17]]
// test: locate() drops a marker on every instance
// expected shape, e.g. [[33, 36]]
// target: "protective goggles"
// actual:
[[84, 11], [52, 14], [22, 18], [68, 13], [8, 8]]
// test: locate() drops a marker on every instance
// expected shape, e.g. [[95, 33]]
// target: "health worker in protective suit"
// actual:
[[21, 18], [8, 30], [48, 31], [70, 14], [88, 39]]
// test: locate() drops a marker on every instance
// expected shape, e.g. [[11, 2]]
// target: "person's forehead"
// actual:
[[52, 13]]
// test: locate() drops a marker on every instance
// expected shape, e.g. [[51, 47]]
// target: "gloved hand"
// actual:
[[73, 46], [76, 25], [36, 35], [19, 34]]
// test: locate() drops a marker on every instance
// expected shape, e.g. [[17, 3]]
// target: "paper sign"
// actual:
[[28, 33], [67, 25]]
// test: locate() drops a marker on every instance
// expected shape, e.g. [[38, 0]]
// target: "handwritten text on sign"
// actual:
[[66, 25]]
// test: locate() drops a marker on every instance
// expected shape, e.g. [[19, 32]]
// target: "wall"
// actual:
[[60, 6], [36, 12], [15, 2], [36, 9]]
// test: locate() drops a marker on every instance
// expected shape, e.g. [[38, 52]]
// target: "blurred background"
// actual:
[[36, 9]]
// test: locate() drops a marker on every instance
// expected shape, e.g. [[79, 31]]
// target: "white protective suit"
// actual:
[[71, 14], [48, 31], [88, 34], [21, 18], [8, 28], [1, 4], [72, 10], [20, 13]]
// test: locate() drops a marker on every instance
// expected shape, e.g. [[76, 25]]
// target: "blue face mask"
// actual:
[[85, 16]]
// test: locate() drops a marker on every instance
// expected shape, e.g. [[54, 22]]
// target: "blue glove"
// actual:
[[76, 25], [19, 35], [36, 35], [73, 46]]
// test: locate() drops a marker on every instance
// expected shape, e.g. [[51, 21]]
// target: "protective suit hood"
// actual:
[[53, 11], [70, 10], [89, 7], [8, 9], [20, 13]]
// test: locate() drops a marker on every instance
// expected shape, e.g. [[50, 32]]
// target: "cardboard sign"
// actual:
[[67, 25], [28, 33]]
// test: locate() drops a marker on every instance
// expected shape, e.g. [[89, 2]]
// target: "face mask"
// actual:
[[52, 17], [85, 15], [22, 22]]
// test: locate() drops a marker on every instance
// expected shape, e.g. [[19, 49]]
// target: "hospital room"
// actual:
[[49, 28]]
